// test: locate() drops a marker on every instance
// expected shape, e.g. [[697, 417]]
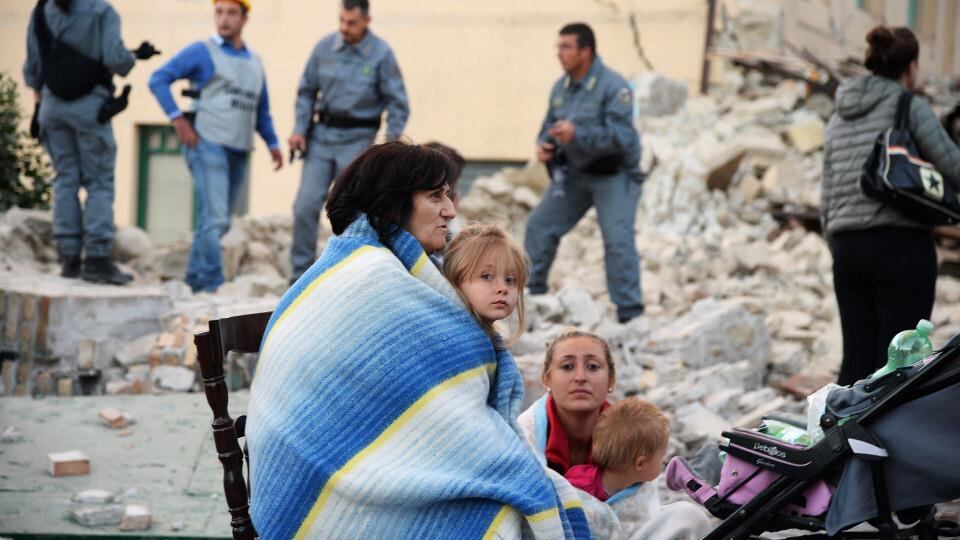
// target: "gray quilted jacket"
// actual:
[[865, 107]]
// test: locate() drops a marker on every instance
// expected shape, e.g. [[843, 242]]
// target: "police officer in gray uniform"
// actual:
[[592, 149], [351, 77], [82, 149]]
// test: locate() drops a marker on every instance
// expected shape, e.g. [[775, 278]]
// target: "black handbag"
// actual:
[[896, 176]]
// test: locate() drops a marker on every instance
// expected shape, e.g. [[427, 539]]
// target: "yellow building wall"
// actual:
[[477, 71]]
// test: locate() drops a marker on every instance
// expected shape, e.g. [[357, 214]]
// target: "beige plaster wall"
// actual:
[[477, 71]]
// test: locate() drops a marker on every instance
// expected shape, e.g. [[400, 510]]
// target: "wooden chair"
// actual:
[[241, 334]]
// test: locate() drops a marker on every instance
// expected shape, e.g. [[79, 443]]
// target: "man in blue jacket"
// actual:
[[592, 149], [232, 103]]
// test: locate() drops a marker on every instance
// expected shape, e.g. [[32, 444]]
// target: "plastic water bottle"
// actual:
[[908, 347]]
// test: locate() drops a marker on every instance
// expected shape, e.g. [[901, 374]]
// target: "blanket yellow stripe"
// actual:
[[546, 514], [495, 524], [319, 279], [397, 424], [417, 266]]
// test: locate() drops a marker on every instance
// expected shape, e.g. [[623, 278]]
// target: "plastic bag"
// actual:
[[816, 406]]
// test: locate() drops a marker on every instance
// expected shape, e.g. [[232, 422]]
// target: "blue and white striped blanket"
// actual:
[[380, 409]]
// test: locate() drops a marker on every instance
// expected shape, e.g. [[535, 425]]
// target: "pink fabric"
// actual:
[[678, 478], [735, 470], [589, 478]]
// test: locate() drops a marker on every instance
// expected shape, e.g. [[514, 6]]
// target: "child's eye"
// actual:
[[511, 280], [486, 276]]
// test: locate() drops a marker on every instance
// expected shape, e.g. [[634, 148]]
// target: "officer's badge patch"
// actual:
[[557, 101], [624, 96]]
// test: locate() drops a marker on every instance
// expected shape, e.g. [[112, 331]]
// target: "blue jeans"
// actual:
[[218, 177], [324, 162], [83, 152], [616, 199]]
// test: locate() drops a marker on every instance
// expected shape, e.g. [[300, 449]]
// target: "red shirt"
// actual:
[[557, 451], [588, 478]]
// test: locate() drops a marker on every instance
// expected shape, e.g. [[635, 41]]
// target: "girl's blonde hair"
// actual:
[[469, 247]]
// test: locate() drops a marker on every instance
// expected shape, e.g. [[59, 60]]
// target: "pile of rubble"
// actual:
[[739, 293], [739, 297]]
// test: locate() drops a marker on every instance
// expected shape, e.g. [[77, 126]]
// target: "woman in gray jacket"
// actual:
[[884, 264]]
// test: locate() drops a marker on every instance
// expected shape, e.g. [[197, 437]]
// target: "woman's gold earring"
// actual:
[[609, 389]]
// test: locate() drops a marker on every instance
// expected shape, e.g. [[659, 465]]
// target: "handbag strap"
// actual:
[[903, 112]]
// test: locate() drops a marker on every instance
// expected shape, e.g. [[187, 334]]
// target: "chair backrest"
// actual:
[[241, 334]]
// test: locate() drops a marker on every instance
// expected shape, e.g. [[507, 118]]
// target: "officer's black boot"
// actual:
[[70, 266], [102, 270]]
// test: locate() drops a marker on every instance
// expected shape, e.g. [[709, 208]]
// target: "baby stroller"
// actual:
[[891, 446]]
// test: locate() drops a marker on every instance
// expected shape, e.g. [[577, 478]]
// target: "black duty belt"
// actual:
[[603, 166], [344, 121]]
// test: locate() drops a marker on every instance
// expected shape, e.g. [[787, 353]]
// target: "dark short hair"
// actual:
[[891, 51], [362, 5], [454, 156], [381, 182], [584, 33]]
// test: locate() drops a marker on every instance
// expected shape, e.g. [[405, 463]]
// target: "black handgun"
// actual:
[[307, 135], [114, 105], [145, 51]]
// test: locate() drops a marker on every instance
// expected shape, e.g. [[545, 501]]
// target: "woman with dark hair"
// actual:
[[884, 264], [380, 407]]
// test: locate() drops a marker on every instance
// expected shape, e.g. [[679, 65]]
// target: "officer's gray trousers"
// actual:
[[84, 154], [322, 164], [616, 199]]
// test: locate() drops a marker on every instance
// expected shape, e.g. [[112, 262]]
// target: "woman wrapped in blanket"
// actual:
[[579, 373], [380, 407]]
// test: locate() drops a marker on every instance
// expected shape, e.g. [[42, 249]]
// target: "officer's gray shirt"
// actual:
[[360, 81], [601, 108], [92, 27]]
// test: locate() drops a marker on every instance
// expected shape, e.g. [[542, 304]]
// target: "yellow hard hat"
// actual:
[[244, 3]]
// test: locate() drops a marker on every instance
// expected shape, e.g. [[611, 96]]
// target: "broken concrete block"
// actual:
[[190, 356], [131, 242], [69, 463], [698, 423], [752, 418], [86, 349], [135, 351], [64, 387], [713, 332], [806, 134], [93, 496], [582, 310], [113, 388], [657, 95], [11, 435], [98, 516], [176, 378], [135, 518], [113, 418], [752, 257], [722, 165]]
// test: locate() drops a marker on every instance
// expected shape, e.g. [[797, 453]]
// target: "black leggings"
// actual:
[[885, 280]]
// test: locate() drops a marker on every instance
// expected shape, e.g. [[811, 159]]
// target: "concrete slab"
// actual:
[[165, 461]]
